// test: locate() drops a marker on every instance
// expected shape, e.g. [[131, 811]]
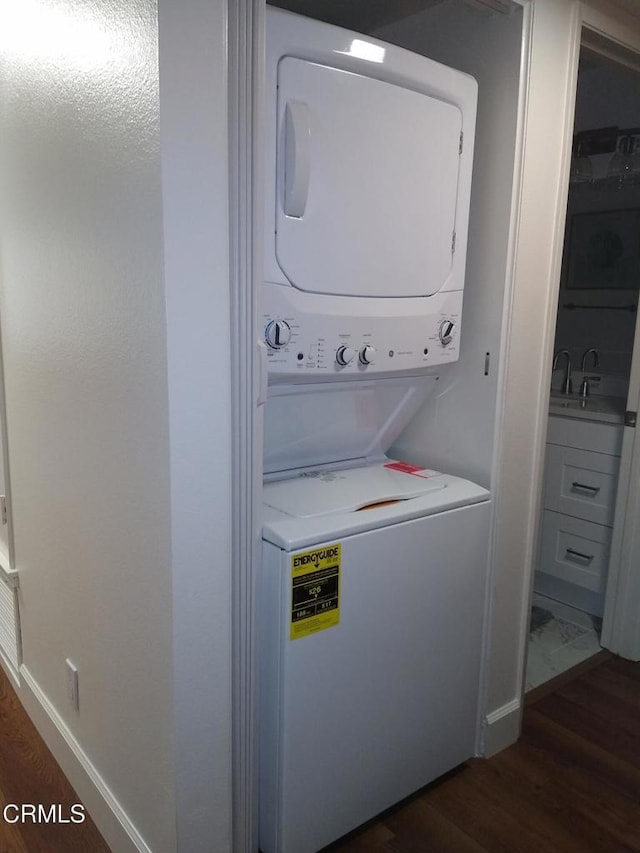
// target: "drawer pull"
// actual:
[[581, 489], [578, 557]]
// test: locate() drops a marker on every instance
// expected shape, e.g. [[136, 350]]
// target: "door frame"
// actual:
[[246, 39], [621, 622]]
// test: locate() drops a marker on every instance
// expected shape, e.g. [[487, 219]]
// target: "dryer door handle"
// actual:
[[297, 158]]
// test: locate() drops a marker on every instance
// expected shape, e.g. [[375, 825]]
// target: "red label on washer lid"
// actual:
[[407, 468]]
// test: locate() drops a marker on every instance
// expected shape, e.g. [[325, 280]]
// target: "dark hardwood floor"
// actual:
[[30, 775], [570, 785]]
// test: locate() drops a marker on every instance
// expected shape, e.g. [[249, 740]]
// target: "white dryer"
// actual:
[[369, 151], [371, 606]]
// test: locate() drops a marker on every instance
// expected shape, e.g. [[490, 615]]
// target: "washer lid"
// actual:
[[307, 510], [319, 493], [368, 179]]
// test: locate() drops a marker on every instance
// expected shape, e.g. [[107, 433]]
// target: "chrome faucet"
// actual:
[[567, 385], [596, 358], [584, 388]]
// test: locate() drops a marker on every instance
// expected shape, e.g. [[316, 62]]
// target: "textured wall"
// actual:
[[83, 326]]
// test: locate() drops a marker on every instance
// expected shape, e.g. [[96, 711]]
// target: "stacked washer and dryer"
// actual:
[[373, 578]]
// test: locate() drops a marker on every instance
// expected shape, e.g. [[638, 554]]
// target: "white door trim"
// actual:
[[246, 71], [500, 726], [523, 421]]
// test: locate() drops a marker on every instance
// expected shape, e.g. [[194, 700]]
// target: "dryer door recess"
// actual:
[[367, 184]]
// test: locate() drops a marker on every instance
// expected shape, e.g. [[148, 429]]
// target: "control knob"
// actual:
[[344, 355], [445, 332], [367, 355], [277, 334]]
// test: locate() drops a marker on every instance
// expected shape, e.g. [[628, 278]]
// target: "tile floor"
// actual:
[[560, 637]]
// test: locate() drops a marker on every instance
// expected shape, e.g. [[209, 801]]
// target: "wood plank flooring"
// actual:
[[570, 785], [29, 774]]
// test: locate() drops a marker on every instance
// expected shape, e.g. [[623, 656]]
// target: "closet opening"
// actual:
[[582, 502]]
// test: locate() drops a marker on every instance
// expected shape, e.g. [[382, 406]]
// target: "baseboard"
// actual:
[[501, 728], [99, 801]]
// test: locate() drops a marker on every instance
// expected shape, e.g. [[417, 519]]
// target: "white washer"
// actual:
[[370, 643]]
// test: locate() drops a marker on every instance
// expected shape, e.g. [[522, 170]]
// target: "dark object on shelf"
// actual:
[[602, 140], [571, 306]]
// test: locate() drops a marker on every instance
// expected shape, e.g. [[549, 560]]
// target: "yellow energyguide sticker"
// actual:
[[315, 590]]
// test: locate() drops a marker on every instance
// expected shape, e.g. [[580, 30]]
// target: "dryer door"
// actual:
[[367, 184]]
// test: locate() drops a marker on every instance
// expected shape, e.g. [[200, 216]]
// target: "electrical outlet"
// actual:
[[72, 684]]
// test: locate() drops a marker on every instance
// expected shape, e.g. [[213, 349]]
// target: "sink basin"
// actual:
[[607, 409]]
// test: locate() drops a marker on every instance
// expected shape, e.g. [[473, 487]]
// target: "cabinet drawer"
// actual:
[[585, 435], [575, 551], [581, 483]]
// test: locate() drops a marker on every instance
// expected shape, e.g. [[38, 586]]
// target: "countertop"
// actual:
[[593, 408]]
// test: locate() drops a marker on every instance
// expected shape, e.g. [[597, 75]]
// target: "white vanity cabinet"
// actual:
[[581, 474]]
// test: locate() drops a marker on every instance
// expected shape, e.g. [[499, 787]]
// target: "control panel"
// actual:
[[328, 346]]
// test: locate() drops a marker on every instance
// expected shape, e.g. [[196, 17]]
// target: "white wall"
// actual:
[[83, 321], [118, 401]]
